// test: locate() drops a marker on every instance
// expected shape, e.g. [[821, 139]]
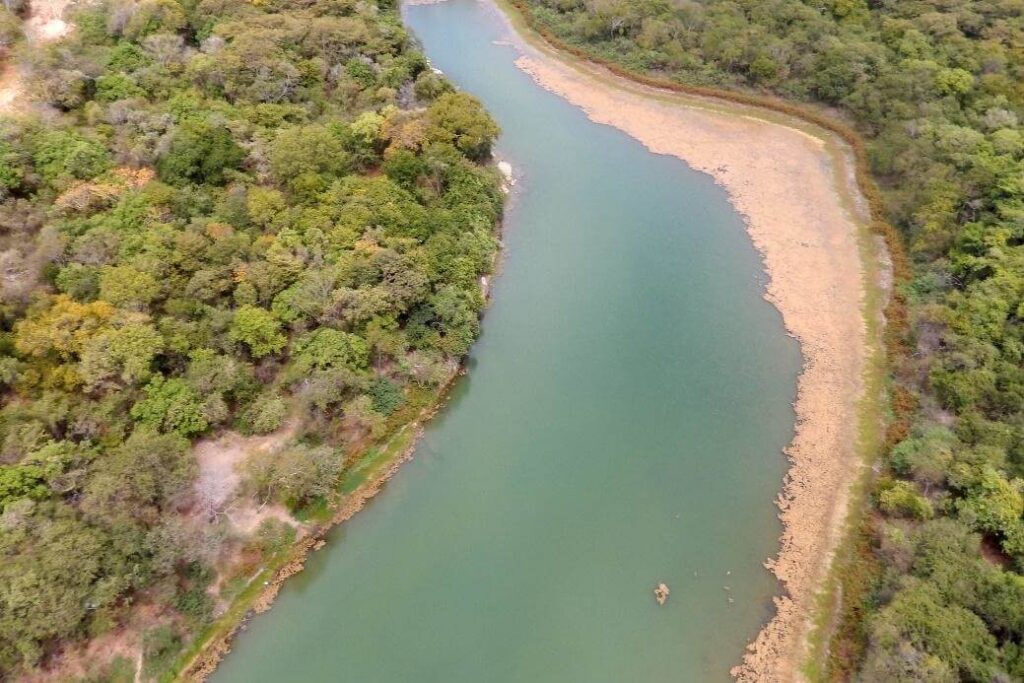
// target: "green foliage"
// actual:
[[159, 646], [273, 535], [51, 577], [295, 475], [460, 119], [61, 156], [234, 223], [200, 152], [258, 329], [265, 414], [902, 499], [386, 395], [306, 158], [948, 642], [326, 348], [113, 87], [128, 286], [141, 479], [171, 405], [122, 355], [18, 482]]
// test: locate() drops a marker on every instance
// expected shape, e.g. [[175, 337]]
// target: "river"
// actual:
[[622, 424]]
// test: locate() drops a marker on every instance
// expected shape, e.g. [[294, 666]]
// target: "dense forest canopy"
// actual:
[[937, 88], [214, 214]]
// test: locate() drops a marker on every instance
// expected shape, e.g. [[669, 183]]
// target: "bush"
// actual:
[[902, 499], [386, 395], [265, 415]]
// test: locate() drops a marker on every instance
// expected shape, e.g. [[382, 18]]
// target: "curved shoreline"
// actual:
[[792, 622], [199, 664], [796, 187]]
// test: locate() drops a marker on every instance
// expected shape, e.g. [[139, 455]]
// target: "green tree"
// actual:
[[326, 348], [200, 152], [171, 405], [128, 287], [460, 119], [122, 355], [295, 475], [258, 329], [265, 414], [306, 156], [18, 482], [141, 479]]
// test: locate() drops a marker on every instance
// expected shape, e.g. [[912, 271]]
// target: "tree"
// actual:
[[171, 405], [903, 499], [309, 155], [53, 575], [147, 475], [200, 152], [265, 414], [128, 287], [950, 638], [460, 119], [62, 328], [18, 482], [121, 355], [326, 348], [61, 156], [295, 475], [258, 329]]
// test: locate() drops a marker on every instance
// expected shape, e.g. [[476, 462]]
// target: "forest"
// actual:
[[266, 216], [934, 587]]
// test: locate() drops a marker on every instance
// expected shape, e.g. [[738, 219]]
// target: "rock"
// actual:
[[661, 593], [506, 169]]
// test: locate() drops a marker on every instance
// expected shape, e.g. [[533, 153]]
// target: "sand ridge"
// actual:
[[785, 183]]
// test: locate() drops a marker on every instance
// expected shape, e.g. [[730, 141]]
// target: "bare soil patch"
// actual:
[[44, 24]]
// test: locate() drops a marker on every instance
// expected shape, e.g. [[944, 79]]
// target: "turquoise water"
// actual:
[[621, 424]]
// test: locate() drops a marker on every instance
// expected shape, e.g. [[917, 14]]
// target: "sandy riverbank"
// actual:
[[801, 208]]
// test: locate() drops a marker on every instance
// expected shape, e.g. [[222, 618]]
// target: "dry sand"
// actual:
[[803, 215]]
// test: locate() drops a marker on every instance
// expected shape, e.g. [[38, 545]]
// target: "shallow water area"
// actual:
[[621, 426]]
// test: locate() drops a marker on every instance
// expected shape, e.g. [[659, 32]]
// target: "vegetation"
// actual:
[[222, 214], [934, 86]]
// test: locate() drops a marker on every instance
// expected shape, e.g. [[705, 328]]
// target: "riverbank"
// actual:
[[796, 187], [361, 483]]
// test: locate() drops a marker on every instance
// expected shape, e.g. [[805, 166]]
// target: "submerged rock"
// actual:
[[661, 593]]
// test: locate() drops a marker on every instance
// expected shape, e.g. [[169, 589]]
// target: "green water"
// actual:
[[621, 424]]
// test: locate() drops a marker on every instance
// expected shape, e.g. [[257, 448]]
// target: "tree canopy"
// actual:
[[233, 215]]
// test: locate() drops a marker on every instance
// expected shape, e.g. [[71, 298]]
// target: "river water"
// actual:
[[621, 425]]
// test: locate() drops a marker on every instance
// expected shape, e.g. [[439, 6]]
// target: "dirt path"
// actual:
[[805, 216], [45, 23]]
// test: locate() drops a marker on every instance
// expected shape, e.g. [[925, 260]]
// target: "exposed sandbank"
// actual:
[[804, 215]]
